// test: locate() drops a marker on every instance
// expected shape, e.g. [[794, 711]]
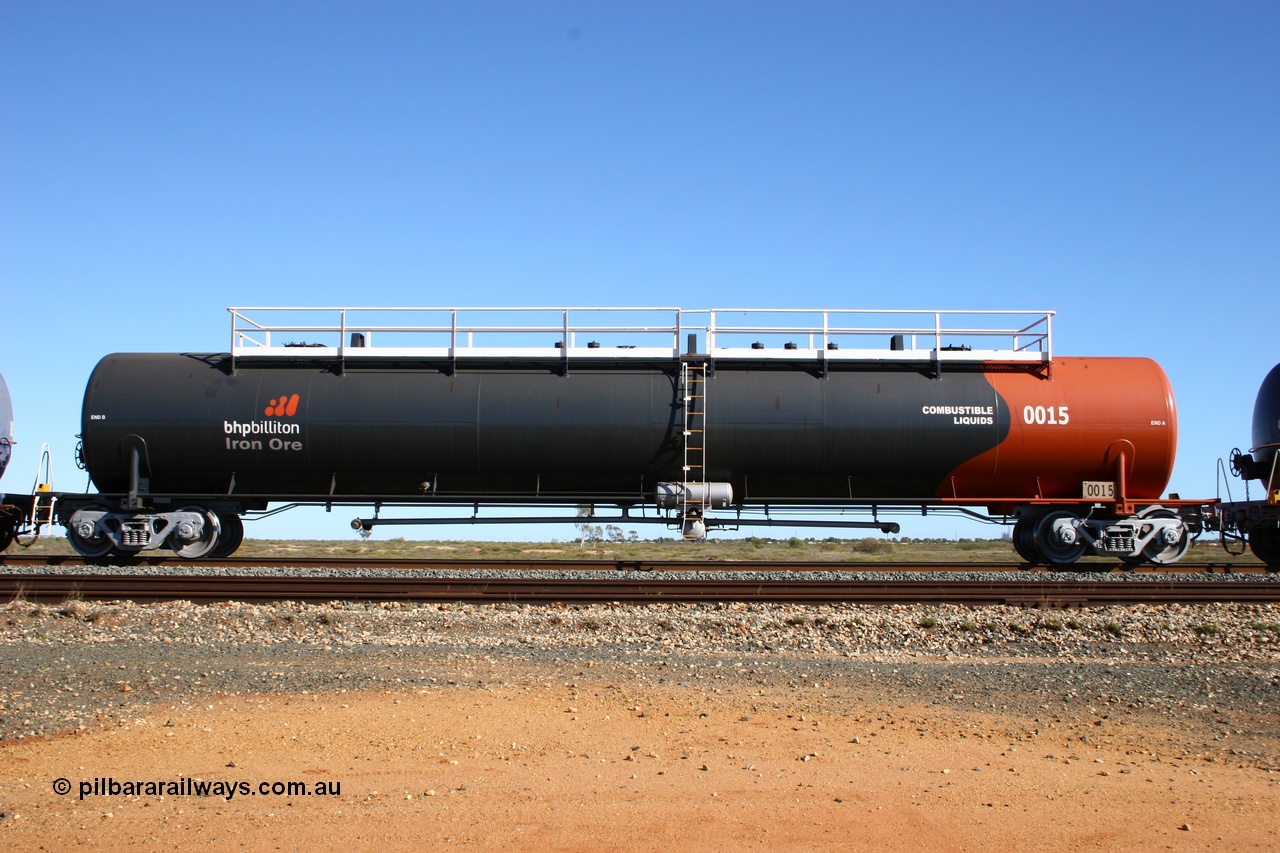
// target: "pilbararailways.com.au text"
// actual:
[[187, 786]]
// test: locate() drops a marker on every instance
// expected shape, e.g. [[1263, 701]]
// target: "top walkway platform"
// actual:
[[851, 335]]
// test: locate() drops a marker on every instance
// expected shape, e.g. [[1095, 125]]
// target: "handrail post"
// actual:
[[564, 343], [822, 352], [342, 341], [937, 344], [453, 341]]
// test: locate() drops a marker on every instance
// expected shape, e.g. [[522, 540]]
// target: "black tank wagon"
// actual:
[[696, 419], [1257, 522]]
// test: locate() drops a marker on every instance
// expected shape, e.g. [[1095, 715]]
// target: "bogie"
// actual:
[[95, 531]]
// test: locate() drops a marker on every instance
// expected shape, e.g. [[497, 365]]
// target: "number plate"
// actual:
[[1095, 490]]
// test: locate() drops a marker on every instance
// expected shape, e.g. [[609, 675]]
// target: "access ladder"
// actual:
[[693, 386]]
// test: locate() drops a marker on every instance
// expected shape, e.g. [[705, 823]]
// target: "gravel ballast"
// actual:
[[1213, 670]]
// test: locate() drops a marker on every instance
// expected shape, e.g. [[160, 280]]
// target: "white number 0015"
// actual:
[[1045, 415]]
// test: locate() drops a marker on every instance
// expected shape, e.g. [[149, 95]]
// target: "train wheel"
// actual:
[[1265, 544], [231, 536], [1024, 541], [86, 537], [191, 544], [1169, 546], [1057, 539]]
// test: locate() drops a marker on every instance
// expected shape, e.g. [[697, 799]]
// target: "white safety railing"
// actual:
[[826, 335]]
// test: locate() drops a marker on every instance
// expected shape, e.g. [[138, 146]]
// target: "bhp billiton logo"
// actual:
[[282, 407], [242, 435]]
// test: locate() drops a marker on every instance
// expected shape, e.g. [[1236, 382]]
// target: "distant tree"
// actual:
[[587, 532]]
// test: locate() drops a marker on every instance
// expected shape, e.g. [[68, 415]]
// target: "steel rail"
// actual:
[[257, 588], [169, 560]]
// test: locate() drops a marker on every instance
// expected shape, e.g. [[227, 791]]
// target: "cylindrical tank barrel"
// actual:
[[704, 495], [614, 430], [1266, 419], [1262, 463]]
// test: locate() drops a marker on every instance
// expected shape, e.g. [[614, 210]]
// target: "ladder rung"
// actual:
[[692, 390]]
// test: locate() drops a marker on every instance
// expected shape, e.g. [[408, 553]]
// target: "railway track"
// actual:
[[1045, 593], [464, 565]]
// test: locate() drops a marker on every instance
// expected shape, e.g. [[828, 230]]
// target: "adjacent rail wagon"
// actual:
[[695, 419], [1257, 522], [14, 509]]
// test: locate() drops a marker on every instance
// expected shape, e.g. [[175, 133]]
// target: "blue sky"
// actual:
[[1115, 162]]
